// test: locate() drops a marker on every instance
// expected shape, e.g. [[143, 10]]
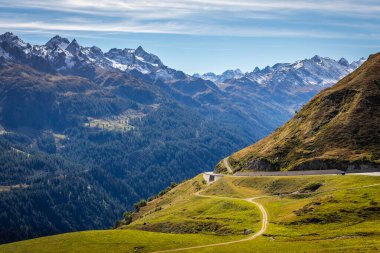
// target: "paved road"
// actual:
[[227, 165], [264, 225]]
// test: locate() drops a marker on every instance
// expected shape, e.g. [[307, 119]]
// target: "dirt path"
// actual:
[[227, 165], [264, 224]]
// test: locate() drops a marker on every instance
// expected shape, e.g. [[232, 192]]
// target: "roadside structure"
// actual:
[[211, 177]]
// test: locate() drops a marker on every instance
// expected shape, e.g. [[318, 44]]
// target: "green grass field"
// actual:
[[306, 214]]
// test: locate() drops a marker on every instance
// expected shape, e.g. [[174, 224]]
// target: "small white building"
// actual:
[[211, 177]]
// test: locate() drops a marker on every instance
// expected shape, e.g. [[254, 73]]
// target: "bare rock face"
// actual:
[[357, 166], [261, 164], [247, 231]]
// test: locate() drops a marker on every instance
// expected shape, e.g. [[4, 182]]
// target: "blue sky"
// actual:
[[209, 35]]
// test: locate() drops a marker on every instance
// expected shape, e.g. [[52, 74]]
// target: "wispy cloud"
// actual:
[[201, 5], [176, 28], [198, 17]]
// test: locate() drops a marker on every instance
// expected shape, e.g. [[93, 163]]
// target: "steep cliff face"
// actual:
[[337, 129]]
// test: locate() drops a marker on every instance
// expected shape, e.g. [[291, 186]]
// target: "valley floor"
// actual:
[[323, 213]]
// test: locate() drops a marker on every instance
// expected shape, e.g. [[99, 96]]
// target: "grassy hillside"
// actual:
[[180, 211], [337, 129], [306, 214]]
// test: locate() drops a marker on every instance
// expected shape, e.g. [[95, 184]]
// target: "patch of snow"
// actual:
[[21, 43], [140, 58], [69, 62], [63, 45], [163, 74], [142, 70], [298, 65], [117, 65]]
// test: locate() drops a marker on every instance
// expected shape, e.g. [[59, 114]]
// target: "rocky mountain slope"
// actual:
[[337, 129]]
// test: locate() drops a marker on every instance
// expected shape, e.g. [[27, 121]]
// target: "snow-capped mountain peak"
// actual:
[[57, 42], [142, 55], [322, 71], [226, 75], [344, 62], [62, 55], [319, 71], [8, 37], [317, 59], [256, 69], [355, 64], [140, 51], [12, 39], [73, 47], [229, 74]]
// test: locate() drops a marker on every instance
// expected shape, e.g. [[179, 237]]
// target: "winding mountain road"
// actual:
[[264, 224], [227, 165]]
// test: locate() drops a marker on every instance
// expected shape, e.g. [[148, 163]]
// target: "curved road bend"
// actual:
[[264, 225], [227, 165]]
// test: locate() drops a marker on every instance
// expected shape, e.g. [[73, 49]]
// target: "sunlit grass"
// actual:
[[336, 217]]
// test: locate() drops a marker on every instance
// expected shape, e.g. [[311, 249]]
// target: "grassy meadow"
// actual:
[[328, 213]]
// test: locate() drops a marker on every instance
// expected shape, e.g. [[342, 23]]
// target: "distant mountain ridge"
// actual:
[[63, 56], [317, 70], [226, 75]]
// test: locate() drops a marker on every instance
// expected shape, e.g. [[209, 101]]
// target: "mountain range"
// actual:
[[315, 71], [65, 57], [85, 133], [278, 90]]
